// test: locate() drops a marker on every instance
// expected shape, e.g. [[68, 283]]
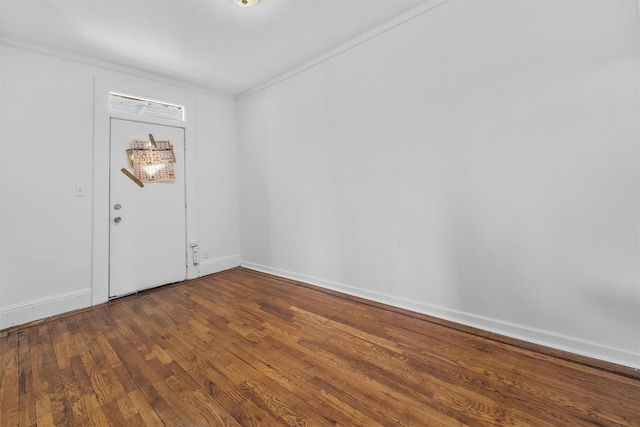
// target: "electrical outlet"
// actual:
[[195, 259], [206, 253]]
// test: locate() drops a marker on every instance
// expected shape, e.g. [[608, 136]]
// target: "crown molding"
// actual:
[[112, 66], [401, 19]]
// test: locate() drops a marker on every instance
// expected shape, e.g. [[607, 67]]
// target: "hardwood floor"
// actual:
[[244, 348]]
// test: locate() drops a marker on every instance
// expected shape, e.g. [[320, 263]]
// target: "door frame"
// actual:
[[101, 169]]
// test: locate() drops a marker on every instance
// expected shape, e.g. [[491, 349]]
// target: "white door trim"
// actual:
[[101, 141]]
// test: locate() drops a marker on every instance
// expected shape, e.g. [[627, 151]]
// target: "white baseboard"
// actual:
[[212, 266], [29, 311], [537, 336], [42, 308]]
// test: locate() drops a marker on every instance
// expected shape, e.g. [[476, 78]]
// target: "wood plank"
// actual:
[[37, 350], [144, 408], [9, 384], [27, 402]]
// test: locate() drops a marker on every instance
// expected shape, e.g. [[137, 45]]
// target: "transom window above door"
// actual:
[[148, 107]]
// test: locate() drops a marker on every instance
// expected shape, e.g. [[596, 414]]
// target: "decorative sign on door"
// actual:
[[152, 161]]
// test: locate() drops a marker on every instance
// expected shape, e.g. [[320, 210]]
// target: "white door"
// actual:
[[147, 235]]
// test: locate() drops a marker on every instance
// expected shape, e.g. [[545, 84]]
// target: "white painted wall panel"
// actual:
[[217, 186], [479, 162], [46, 139]]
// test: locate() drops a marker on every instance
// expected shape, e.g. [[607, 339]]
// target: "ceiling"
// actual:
[[214, 44]]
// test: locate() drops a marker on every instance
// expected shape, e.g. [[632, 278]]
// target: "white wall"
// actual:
[[217, 186], [478, 162], [47, 146]]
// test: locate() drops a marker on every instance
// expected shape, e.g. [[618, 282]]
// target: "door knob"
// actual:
[[117, 219]]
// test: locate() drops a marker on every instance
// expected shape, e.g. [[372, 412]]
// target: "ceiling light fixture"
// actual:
[[245, 3]]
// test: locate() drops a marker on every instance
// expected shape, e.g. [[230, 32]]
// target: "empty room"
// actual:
[[320, 212]]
